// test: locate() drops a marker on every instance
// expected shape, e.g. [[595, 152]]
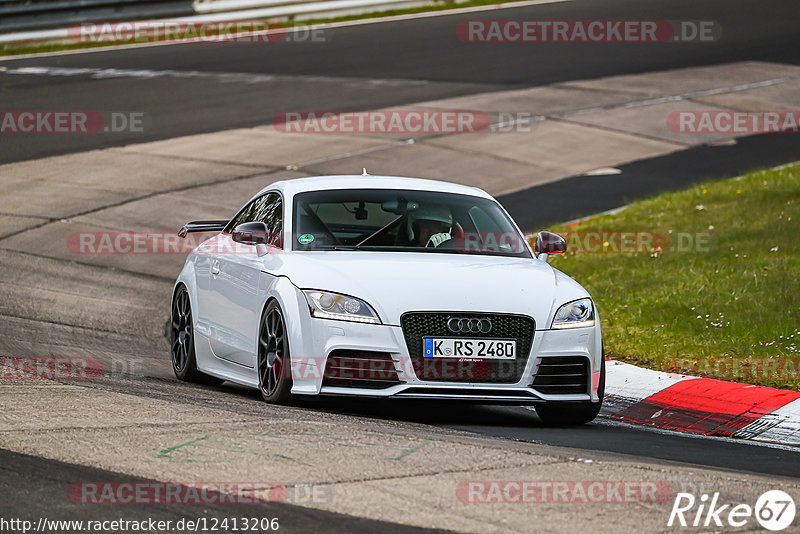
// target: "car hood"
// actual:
[[396, 282]]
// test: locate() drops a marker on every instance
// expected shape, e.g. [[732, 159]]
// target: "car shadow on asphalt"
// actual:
[[431, 412]]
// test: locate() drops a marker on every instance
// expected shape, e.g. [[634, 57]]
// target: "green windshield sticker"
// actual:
[[305, 239]]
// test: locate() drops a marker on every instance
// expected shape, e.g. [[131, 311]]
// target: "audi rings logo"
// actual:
[[462, 325]]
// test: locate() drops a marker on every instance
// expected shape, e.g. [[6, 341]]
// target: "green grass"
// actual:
[[730, 310], [13, 49]]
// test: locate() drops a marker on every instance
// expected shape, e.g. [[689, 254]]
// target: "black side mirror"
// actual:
[[550, 243], [250, 233]]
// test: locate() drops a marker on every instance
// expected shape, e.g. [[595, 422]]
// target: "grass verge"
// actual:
[[704, 281]]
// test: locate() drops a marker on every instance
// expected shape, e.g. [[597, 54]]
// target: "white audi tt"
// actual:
[[381, 286]]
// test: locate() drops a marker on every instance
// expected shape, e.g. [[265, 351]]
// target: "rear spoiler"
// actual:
[[202, 226]]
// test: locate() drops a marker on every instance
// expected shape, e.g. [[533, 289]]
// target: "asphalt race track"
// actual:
[[336, 74], [415, 61], [594, 194], [602, 435], [24, 476]]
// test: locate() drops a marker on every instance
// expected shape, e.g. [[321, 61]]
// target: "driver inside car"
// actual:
[[430, 225]]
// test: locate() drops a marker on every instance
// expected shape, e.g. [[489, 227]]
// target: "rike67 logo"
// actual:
[[774, 510]]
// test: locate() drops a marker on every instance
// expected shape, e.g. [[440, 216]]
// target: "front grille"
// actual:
[[417, 325], [562, 375], [360, 369]]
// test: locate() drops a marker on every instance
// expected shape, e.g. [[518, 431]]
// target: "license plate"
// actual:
[[486, 349]]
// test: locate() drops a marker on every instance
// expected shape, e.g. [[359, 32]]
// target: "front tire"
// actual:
[[181, 340], [573, 413], [274, 368]]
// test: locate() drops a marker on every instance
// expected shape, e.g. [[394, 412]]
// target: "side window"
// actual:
[[241, 217], [269, 210], [482, 221]]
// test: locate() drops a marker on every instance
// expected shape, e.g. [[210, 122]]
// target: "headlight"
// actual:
[[326, 305], [575, 314]]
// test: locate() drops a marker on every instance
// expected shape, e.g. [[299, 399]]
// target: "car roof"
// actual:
[[354, 181]]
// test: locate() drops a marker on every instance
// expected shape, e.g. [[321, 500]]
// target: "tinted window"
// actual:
[[268, 209], [400, 220], [241, 217]]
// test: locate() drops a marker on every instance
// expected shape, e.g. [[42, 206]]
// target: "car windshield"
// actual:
[[404, 221]]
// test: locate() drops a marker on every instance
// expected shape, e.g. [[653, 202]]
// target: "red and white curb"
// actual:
[[701, 405]]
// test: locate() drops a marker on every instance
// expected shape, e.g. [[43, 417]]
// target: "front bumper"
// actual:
[[315, 339]]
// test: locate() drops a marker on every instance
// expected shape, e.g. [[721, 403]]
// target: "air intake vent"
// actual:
[[561, 375], [360, 369]]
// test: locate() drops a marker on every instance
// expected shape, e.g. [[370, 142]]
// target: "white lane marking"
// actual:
[[644, 102], [603, 171], [612, 211], [723, 142], [225, 77], [708, 92], [328, 25], [674, 98], [784, 166]]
